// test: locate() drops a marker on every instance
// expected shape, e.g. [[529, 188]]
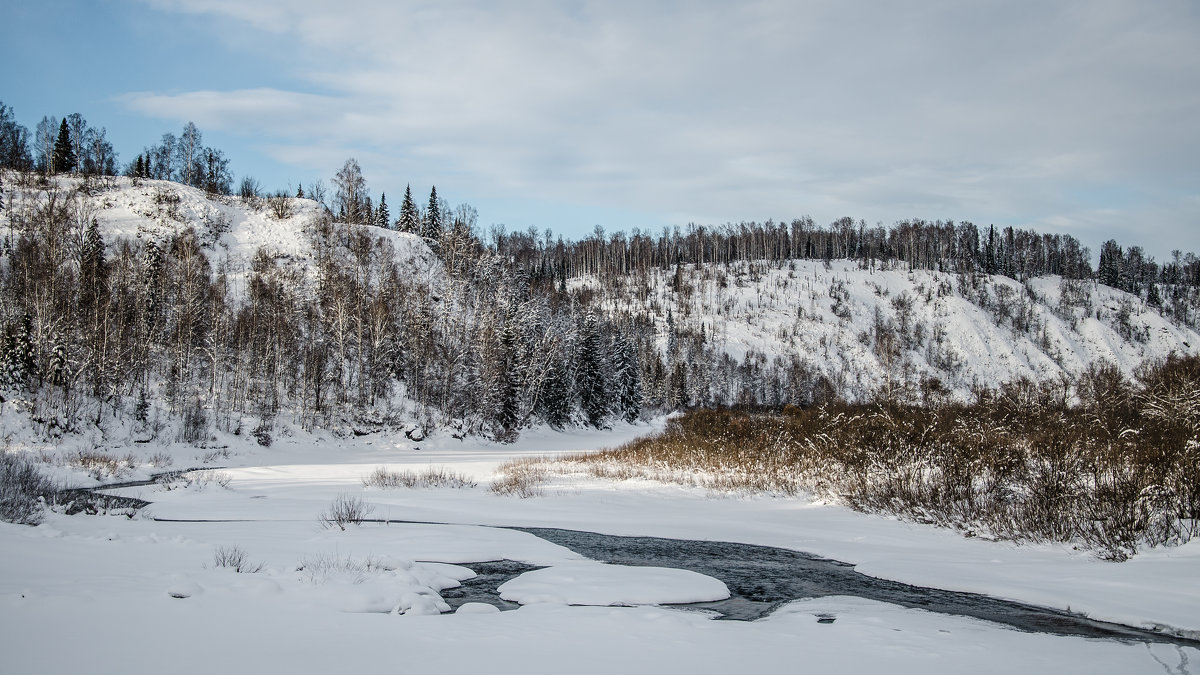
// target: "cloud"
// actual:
[[717, 111]]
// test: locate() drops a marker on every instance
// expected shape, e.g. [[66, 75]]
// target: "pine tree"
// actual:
[[299, 191], [409, 220], [139, 169], [64, 153], [433, 217], [382, 217]]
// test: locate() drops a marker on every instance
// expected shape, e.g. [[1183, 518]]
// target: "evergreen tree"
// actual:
[[433, 217], [64, 153], [627, 377], [17, 356], [218, 180], [505, 390], [382, 217], [410, 219], [93, 270], [590, 380], [1153, 297], [299, 191], [1109, 270], [989, 255], [554, 405], [139, 169]]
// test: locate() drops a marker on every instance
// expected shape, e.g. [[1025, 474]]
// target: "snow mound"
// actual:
[[601, 584]]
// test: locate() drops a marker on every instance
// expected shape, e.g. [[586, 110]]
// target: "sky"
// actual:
[[1071, 117]]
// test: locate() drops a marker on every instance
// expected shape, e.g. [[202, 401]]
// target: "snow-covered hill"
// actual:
[[233, 229], [865, 329], [861, 328]]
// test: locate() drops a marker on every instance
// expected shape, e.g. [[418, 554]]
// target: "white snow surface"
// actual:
[[140, 595], [596, 584], [232, 230], [962, 337]]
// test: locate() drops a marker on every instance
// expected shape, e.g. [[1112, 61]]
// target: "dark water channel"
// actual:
[[762, 578]]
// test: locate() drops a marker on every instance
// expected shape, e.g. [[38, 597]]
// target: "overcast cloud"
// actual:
[[1074, 116]]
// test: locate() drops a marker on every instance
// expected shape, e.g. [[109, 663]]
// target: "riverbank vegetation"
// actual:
[[1107, 463]]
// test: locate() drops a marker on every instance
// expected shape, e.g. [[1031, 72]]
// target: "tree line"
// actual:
[[148, 330]]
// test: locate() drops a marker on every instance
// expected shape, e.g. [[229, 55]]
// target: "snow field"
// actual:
[[327, 599]]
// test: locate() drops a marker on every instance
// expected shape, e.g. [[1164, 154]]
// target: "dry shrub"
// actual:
[[318, 569], [344, 511], [197, 480], [101, 466], [24, 491], [235, 558], [434, 477], [1118, 470], [521, 477]]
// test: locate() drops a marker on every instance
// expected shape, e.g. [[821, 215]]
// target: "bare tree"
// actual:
[[351, 193], [188, 155], [44, 137]]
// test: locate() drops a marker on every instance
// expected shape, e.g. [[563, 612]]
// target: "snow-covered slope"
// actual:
[[232, 230], [862, 327]]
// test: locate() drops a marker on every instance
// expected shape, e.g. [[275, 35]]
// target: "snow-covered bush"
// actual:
[[345, 510], [23, 490]]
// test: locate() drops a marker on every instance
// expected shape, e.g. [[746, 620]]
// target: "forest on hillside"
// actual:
[[147, 331]]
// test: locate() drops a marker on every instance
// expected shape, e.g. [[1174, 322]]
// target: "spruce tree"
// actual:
[[410, 220], [93, 269], [64, 153], [590, 380], [299, 191], [433, 217], [628, 379], [554, 405], [382, 217]]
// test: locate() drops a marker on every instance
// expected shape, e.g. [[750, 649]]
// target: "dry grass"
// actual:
[[100, 465], [432, 477], [196, 480], [1117, 469], [318, 569], [521, 477]]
